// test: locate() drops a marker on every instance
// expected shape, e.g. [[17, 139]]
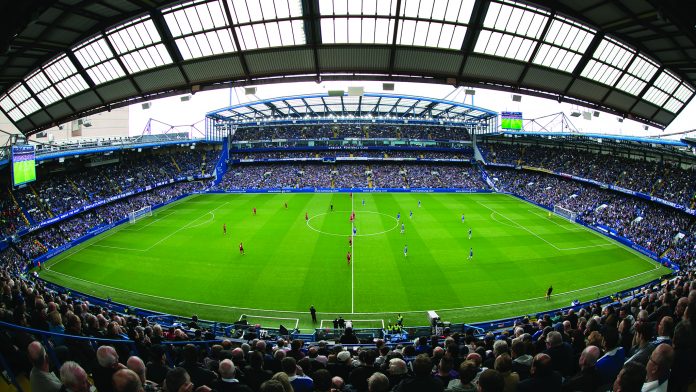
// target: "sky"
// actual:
[[173, 111]]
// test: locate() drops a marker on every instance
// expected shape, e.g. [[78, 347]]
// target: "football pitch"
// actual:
[[179, 261]]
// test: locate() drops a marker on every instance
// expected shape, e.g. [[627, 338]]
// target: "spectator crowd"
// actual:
[[661, 179]]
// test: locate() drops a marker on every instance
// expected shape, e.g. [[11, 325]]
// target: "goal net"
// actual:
[[135, 216], [566, 213]]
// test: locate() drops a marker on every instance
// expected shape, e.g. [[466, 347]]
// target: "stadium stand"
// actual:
[[576, 345], [662, 179]]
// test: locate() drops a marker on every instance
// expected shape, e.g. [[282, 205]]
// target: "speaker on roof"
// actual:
[[356, 91], [185, 98], [336, 93], [516, 98], [249, 90], [388, 86], [470, 92], [587, 115], [595, 113], [146, 105]]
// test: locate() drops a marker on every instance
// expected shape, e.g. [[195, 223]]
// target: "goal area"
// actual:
[[566, 213], [135, 216]]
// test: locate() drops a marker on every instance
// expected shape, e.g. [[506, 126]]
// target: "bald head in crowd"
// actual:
[[660, 362], [138, 366], [125, 380], [226, 369], [107, 356], [74, 377], [589, 357]]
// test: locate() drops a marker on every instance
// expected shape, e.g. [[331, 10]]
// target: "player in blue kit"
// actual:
[[471, 253], [405, 250]]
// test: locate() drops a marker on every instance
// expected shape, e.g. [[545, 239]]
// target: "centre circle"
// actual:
[[337, 223]]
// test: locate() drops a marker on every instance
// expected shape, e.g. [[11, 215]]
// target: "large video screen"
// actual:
[[511, 120], [23, 164]]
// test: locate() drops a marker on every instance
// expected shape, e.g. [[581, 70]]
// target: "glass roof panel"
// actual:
[[49, 96], [93, 52], [193, 19], [631, 84], [367, 107], [656, 96], [642, 68], [601, 72], [555, 57], [614, 53], [15, 114], [29, 106], [105, 72], [135, 36], [6, 103], [683, 93], [19, 93], [71, 85], [673, 105], [151, 57], [666, 82], [515, 18], [37, 81]]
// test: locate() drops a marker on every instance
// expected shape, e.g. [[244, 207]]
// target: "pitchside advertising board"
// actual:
[[23, 164], [511, 120]]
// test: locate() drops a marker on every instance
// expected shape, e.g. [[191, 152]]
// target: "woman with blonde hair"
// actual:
[[283, 379]]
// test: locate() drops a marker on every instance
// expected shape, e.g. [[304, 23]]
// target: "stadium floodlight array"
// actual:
[[566, 213], [135, 216]]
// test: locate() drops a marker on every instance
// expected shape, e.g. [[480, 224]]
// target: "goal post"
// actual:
[[564, 212], [135, 216]]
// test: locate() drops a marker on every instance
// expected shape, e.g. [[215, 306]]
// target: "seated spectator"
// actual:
[[467, 373], [125, 380], [199, 375], [543, 377], [107, 359], [657, 371], [560, 352], [41, 379], [630, 379], [503, 365], [609, 365], [491, 381], [157, 368], [378, 382], [74, 378], [587, 378], [227, 381], [422, 380], [299, 382]]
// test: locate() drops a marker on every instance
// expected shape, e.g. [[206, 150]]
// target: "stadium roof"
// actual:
[[370, 105], [67, 58]]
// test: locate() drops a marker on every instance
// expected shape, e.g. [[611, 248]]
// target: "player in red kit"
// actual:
[[348, 255], [241, 248], [254, 210], [306, 217], [350, 241]]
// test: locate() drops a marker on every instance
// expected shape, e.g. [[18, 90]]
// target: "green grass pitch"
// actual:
[[179, 261]]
